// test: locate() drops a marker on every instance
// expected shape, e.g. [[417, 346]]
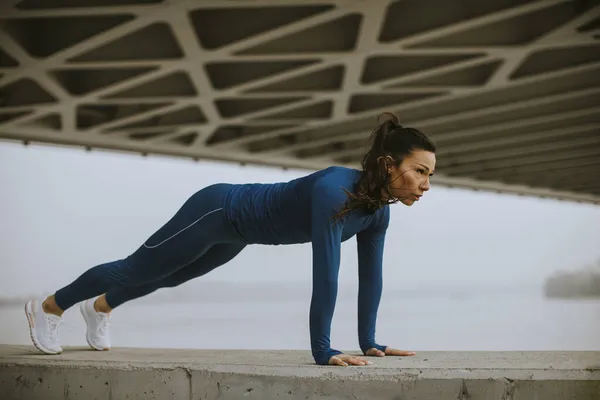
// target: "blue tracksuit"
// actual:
[[217, 222]]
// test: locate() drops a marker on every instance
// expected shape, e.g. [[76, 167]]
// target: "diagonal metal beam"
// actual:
[[367, 38], [568, 29], [527, 7], [185, 34]]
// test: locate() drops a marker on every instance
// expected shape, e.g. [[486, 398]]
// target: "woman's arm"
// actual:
[[370, 245], [326, 244]]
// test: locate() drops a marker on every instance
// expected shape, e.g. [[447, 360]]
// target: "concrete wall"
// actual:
[[227, 375]]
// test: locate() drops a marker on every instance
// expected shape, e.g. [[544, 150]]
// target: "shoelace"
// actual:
[[53, 324]]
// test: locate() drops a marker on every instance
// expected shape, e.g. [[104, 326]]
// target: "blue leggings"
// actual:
[[196, 240]]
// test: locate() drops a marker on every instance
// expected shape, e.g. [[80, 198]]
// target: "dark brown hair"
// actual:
[[389, 141]]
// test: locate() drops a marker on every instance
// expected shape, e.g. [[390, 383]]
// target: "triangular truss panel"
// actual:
[[509, 89]]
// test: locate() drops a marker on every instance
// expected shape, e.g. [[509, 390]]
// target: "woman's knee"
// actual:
[[170, 282], [128, 272]]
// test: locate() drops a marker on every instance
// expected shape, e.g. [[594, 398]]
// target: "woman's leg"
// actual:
[[216, 256], [97, 318], [199, 224]]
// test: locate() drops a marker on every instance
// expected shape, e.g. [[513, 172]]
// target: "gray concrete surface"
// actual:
[[127, 373]]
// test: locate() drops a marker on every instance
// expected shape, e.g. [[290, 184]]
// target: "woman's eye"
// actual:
[[421, 171]]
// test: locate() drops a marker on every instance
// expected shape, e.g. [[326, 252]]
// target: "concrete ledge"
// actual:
[[126, 373]]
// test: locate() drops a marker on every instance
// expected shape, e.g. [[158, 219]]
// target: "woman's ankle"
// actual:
[[49, 306], [101, 305]]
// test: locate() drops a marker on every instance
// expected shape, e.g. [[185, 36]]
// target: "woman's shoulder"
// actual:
[[332, 184], [336, 174]]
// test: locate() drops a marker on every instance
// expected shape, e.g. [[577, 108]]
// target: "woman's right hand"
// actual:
[[344, 360]]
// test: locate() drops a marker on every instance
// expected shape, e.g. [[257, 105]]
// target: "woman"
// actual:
[[216, 223]]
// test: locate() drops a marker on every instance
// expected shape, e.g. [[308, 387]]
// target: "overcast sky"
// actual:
[[65, 210]]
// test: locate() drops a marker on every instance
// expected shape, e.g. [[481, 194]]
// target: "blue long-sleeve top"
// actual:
[[301, 211]]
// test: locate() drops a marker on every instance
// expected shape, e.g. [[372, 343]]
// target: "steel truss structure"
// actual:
[[509, 89]]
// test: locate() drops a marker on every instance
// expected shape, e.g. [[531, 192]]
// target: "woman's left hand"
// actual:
[[389, 352]]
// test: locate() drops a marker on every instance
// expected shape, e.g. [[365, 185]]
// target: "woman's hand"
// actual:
[[389, 352], [345, 360]]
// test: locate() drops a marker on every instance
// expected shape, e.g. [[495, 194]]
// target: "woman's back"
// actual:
[[280, 213]]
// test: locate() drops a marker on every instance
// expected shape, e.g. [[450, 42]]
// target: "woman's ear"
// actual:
[[388, 163]]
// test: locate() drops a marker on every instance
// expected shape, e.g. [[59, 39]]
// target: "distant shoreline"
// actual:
[[223, 292], [584, 283]]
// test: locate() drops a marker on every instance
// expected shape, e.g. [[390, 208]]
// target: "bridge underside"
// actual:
[[509, 89]]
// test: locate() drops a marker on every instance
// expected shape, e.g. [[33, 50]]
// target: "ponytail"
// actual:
[[390, 142]]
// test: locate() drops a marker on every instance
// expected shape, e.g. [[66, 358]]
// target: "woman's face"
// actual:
[[410, 180]]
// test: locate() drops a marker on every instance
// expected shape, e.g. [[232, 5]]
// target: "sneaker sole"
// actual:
[[32, 334], [87, 338]]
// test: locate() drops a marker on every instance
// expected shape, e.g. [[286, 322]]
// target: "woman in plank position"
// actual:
[[216, 223]]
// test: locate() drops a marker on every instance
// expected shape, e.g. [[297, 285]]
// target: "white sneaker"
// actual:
[[43, 328], [97, 334]]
